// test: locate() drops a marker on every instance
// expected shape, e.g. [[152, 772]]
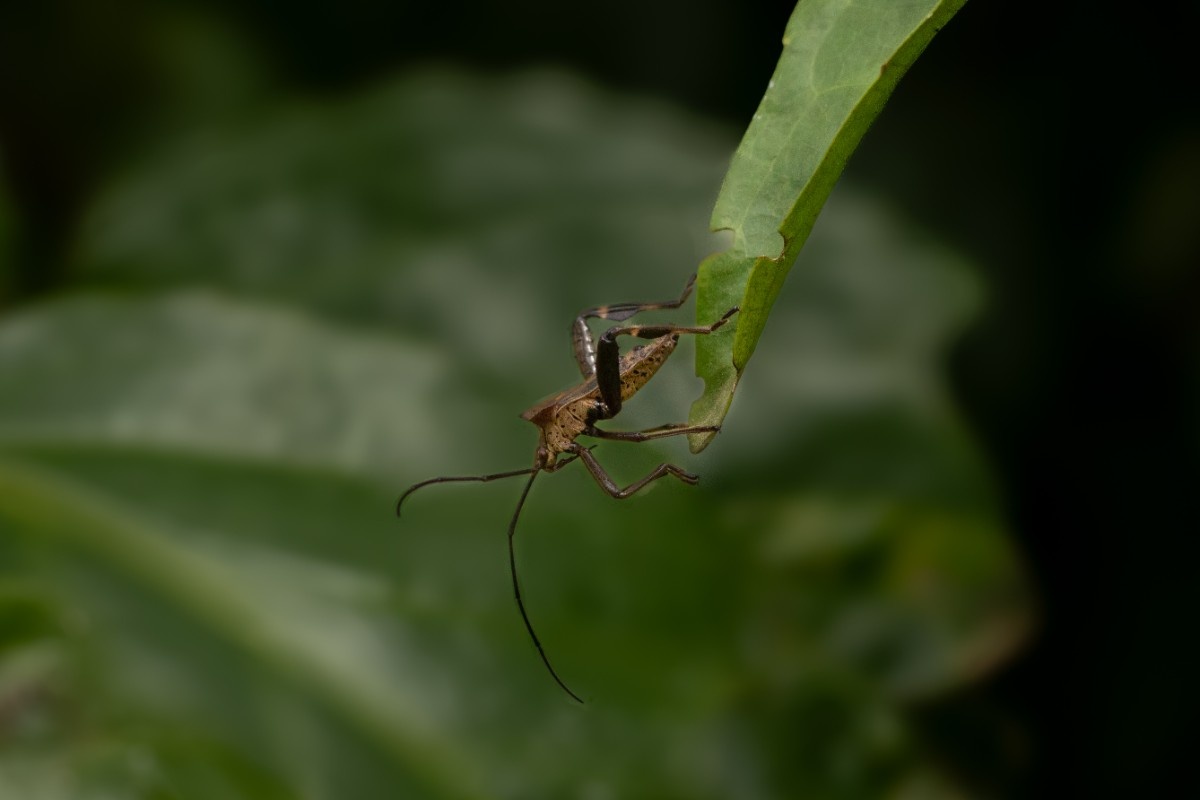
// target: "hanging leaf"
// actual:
[[841, 61]]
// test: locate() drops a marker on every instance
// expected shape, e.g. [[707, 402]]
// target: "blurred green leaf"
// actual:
[[421, 205], [841, 61], [267, 621], [196, 371], [200, 463]]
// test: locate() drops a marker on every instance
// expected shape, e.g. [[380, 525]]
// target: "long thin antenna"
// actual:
[[512, 568], [452, 479]]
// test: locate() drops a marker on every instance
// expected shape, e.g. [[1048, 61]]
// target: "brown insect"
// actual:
[[609, 379]]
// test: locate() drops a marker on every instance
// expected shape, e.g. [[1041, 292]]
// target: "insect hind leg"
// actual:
[[581, 335], [608, 361]]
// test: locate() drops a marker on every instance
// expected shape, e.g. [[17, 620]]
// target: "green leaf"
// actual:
[[841, 61], [197, 372], [207, 589], [190, 470], [439, 205]]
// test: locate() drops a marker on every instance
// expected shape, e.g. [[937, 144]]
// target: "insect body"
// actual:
[[609, 379]]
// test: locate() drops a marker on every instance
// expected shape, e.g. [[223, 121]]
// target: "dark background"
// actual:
[[1059, 148]]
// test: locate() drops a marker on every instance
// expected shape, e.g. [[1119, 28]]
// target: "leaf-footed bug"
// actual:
[[609, 379]]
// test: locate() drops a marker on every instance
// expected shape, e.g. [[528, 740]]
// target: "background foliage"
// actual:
[[291, 320], [263, 268]]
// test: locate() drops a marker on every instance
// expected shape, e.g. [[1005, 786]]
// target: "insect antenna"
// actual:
[[512, 568], [532, 472], [456, 478]]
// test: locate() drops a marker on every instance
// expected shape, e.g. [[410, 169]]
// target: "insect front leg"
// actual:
[[672, 429], [610, 486], [581, 335]]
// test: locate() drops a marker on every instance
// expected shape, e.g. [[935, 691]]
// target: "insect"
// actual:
[[609, 379]]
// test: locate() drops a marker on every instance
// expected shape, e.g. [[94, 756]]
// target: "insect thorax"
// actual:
[[571, 420]]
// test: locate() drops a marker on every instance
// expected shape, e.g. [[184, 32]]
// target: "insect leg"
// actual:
[[673, 429], [581, 336], [609, 485], [608, 358]]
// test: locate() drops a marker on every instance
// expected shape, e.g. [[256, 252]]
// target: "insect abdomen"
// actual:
[[641, 363]]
